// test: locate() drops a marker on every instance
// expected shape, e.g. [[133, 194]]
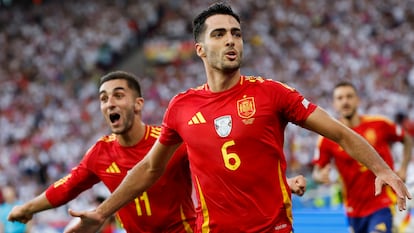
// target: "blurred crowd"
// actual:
[[53, 53]]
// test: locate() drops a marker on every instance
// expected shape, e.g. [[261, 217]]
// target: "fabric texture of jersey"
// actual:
[[235, 145], [166, 207], [358, 181]]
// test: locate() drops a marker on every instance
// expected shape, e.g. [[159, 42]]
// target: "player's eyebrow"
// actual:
[[115, 89], [232, 30]]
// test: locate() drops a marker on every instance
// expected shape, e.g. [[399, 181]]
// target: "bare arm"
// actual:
[[24, 213], [357, 147], [139, 179], [408, 146]]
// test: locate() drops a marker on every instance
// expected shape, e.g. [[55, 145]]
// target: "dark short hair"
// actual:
[[132, 80], [218, 8], [345, 84]]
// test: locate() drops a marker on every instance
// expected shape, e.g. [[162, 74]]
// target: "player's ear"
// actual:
[[200, 49], [139, 103]]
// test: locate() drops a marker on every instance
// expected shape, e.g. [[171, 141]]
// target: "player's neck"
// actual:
[[218, 81], [351, 121], [133, 136]]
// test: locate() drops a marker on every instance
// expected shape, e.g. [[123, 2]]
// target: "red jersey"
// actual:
[[166, 207], [235, 142], [358, 181]]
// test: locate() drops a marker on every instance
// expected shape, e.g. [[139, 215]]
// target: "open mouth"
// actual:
[[113, 117], [231, 55]]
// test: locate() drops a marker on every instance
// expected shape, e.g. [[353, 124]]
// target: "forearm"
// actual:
[[38, 204], [24, 213], [358, 148], [139, 179], [354, 144]]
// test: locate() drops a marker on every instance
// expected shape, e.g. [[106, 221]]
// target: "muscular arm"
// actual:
[[24, 213], [357, 147], [139, 179]]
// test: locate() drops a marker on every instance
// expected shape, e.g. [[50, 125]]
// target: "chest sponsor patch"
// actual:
[[223, 125]]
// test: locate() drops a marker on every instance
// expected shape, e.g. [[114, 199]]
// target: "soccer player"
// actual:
[[166, 207], [366, 211], [233, 128]]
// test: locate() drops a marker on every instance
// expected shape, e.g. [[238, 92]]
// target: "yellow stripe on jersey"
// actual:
[[206, 220], [154, 132], [391, 194], [108, 138], [285, 193], [369, 118], [187, 226]]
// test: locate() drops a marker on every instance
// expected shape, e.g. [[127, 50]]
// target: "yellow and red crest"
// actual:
[[246, 107]]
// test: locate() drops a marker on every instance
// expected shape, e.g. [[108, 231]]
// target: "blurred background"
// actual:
[[53, 53]]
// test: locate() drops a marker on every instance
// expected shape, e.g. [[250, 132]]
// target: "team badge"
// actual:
[[371, 136], [246, 107], [223, 125]]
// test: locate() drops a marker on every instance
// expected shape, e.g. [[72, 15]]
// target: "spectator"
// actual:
[[11, 199]]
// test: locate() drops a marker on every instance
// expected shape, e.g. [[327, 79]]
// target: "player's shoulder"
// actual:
[[376, 118], [198, 90], [259, 80], [101, 144], [107, 139]]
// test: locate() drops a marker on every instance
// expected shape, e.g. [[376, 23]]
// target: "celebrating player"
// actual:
[[233, 128]]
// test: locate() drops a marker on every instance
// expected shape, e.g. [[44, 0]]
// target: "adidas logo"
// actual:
[[113, 168], [197, 119]]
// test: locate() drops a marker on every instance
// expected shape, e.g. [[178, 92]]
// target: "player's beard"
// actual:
[[349, 115], [127, 125], [232, 66], [220, 63]]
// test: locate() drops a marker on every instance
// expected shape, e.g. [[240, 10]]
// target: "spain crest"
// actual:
[[246, 107]]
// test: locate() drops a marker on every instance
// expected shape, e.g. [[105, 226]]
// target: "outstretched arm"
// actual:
[[24, 213], [139, 178], [357, 147]]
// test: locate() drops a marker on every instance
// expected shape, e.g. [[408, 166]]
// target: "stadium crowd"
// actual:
[[54, 51]]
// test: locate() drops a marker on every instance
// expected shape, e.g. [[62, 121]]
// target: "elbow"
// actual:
[[152, 173]]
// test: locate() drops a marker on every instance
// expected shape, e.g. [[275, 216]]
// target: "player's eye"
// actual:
[[103, 98]]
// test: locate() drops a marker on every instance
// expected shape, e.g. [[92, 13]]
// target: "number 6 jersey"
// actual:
[[235, 142]]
